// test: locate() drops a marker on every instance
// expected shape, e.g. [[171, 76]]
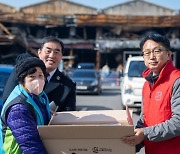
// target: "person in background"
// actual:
[[61, 90], [159, 125], [26, 108]]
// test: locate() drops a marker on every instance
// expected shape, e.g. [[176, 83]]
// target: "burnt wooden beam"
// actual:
[[95, 20], [131, 21]]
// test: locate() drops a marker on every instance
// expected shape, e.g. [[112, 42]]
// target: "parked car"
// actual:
[[87, 81], [5, 71], [132, 82], [85, 66]]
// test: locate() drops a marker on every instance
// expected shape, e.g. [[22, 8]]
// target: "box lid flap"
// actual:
[[90, 117]]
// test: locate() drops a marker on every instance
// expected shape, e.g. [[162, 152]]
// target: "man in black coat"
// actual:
[[61, 90]]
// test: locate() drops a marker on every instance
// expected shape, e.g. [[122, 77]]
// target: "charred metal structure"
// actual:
[[89, 35]]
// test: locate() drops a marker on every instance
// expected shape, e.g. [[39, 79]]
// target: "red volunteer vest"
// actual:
[[157, 108]]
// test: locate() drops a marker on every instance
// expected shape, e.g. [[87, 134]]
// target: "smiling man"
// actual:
[[60, 89], [159, 124]]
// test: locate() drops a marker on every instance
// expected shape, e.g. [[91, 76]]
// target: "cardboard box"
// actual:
[[87, 132]]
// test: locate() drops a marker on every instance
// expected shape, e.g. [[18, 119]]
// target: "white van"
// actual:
[[132, 82]]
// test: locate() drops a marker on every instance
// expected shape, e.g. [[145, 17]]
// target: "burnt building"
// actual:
[[104, 36]]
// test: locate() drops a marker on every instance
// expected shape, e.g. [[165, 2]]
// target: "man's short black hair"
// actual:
[[52, 39], [157, 38]]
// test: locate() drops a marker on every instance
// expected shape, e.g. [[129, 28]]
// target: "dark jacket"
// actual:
[[62, 90]]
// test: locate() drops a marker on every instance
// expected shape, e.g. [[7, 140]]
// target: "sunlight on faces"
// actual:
[[51, 55], [155, 56], [35, 82]]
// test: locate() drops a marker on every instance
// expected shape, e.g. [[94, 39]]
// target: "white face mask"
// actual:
[[36, 86]]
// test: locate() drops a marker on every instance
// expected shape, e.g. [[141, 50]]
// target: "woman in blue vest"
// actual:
[[26, 107]]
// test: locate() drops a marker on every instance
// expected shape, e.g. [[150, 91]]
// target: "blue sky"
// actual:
[[99, 4]]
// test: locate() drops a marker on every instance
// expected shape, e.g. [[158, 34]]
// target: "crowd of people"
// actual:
[[36, 89]]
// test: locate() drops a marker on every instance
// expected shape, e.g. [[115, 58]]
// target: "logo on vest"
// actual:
[[158, 95]]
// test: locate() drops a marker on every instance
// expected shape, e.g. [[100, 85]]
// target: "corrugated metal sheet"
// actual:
[[139, 7], [58, 7]]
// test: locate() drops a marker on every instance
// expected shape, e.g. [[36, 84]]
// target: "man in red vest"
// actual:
[[159, 125]]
